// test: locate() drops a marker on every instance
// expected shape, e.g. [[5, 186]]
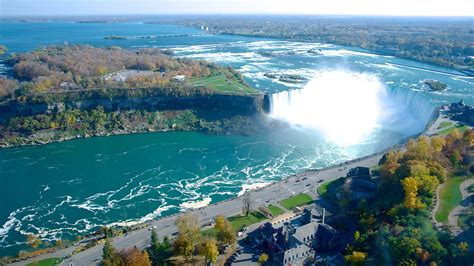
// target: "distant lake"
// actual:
[[60, 190]]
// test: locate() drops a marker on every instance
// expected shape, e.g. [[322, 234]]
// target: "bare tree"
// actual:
[[246, 203]]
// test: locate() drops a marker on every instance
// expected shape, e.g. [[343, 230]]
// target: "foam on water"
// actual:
[[191, 205], [253, 186]]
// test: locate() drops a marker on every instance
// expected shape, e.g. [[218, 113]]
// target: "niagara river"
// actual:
[[340, 103]]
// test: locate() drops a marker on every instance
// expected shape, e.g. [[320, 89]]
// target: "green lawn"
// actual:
[[46, 262], [448, 130], [222, 83], [323, 188], [238, 222], [275, 210], [445, 124], [241, 221], [450, 197], [297, 200]]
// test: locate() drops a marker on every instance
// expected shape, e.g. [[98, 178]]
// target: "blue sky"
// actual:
[[331, 7]]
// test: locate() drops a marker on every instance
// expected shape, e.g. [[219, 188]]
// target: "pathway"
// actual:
[[454, 214]]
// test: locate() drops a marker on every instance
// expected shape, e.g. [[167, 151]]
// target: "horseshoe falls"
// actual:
[[348, 107]]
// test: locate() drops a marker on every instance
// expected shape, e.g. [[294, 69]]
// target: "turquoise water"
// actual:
[[60, 190]]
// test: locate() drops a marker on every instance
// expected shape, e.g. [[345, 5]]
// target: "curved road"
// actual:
[[454, 214]]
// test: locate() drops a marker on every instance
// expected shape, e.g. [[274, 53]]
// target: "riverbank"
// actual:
[[305, 182], [140, 122], [272, 193], [43, 122]]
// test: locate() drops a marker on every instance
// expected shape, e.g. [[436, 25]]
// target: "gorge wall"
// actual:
[[219, 103]]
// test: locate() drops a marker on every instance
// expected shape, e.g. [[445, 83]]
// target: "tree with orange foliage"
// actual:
[[410, 186], [134, 257]]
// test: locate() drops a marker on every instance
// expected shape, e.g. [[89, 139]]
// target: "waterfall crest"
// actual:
[[348, 106]]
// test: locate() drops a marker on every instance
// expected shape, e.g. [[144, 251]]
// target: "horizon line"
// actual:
[[237, 14]]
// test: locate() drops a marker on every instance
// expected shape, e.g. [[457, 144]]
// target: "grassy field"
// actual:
[[297, 200], [46, 262], [445, 124], [241, 221], [450, 197], [275, 210], [449, 129], [238, 222], [222, 83]]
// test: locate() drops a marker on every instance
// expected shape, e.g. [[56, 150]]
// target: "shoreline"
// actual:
[[339, 169], [228, 207]]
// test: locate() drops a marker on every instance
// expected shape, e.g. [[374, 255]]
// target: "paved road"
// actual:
[[165, 227], [454, 214]]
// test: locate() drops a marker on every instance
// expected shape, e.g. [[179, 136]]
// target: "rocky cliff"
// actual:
[[224, 104]]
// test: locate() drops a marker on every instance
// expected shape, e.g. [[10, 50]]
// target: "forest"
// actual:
[[395, 227], [441, 41], [69, 68]]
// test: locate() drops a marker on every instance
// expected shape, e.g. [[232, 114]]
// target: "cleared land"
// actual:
[[297, 200], [222, 83], [450, 196]]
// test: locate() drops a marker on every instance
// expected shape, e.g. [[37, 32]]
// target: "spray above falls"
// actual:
[[346, 107]]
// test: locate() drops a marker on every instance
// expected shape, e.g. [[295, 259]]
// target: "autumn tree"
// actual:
[[438, 143], [427, 184], [356, 258], [59, 243], [219, 223], [224, 230], [209, 250], [33, 241], [391, 164], [189, 235], [262, 258], [98, 117], [134, 257], [410, 186], [464, 247], [183, 247]]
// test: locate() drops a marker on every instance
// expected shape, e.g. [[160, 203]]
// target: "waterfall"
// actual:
[[417, 103], [348, 106]]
